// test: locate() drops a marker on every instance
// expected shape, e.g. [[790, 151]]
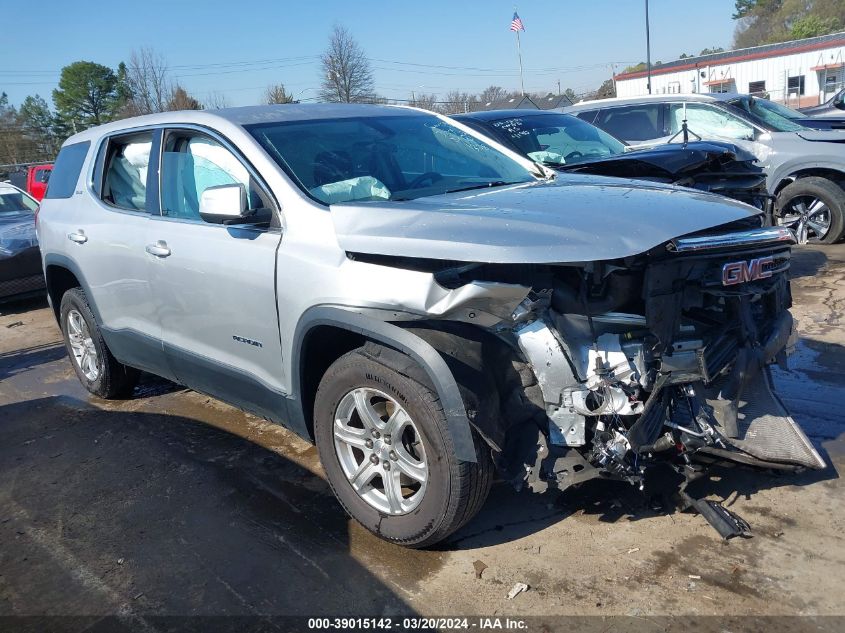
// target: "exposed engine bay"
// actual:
[[660, 357]]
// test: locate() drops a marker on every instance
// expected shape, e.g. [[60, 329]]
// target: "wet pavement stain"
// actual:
[[691, 561]]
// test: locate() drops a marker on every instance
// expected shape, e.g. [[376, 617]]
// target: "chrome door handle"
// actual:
[[159, 249], [79, 237]]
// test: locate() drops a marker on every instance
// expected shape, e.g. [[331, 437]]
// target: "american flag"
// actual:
[[516, 23]]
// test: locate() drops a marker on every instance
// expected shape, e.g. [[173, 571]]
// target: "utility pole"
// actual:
[[558, 87], [647, 49]]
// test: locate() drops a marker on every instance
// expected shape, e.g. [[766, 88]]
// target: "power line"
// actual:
[[304, 60]]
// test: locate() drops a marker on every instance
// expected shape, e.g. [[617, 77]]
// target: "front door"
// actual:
[[214, 285]]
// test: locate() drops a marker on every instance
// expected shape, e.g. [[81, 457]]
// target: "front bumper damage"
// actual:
[[610, 368], [684, 380]]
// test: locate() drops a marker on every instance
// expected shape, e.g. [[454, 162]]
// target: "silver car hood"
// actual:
[[574, 219]]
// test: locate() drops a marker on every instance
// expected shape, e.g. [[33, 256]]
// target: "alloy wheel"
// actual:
[[380, 451], [82, 345], [808, 216]]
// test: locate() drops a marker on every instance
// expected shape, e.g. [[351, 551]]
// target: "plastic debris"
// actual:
[[633, 549], [517, 589], [694, 577], [479, 567]]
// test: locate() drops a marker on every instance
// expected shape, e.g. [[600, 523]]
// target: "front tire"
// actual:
[[814, 208], [384, 442], [97, 370]]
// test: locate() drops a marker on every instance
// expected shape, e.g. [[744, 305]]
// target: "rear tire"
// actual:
[[422, 514], [796, 204], [97, 370]]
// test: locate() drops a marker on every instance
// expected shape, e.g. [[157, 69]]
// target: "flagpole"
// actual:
[[519, 52]]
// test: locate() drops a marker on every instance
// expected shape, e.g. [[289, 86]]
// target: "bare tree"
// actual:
[[215, 101], [424, 101], [456, 102], [347, 76], [277, 94], [148, 81], [181, 100], [491, 94]]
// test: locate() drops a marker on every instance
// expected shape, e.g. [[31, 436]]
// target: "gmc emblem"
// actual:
[[740, 272]]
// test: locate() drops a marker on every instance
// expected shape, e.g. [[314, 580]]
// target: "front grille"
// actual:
[[686, 299], [752, 238]]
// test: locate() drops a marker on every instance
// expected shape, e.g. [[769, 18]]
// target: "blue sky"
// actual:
[[218, 46]]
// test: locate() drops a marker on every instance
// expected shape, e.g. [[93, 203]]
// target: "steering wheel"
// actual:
[[431, 176], [574, 155]]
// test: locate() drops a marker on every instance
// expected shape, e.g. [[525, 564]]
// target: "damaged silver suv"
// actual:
[[422, 303]]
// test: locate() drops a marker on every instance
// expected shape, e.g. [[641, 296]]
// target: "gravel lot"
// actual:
[[172, 503]]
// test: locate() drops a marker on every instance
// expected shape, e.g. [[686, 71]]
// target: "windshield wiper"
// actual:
[[484, 185]]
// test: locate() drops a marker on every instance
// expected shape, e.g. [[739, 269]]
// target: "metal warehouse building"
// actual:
[[800, 73]]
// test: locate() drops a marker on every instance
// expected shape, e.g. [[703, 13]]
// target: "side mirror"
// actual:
[[224, 204]]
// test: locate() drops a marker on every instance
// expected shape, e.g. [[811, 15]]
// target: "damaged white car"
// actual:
[[424, 304]]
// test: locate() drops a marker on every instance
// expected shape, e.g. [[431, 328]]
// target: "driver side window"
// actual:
[[707, 121], [192, 163]]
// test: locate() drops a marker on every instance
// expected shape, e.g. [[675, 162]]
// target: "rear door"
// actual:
[[214, 285], [107, 236]]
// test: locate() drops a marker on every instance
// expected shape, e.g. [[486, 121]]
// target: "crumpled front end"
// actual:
[[712, 166], [661, 357]]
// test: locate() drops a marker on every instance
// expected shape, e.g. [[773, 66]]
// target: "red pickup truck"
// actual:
[[37, 177]]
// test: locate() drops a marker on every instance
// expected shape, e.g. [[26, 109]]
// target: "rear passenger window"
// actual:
[[125, 175], [66, 170], [632, 123]]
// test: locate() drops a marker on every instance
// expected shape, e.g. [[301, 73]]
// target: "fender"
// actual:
[[797, 165], [406, 342]]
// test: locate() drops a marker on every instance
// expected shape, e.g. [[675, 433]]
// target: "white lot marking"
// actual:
[[284, 541]]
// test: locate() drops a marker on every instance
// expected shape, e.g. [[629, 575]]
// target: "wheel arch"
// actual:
[[326, 333], [829, 173], [61, 274]]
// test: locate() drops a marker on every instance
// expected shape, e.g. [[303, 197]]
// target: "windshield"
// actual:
[[385, 157], [774, 116], [16, 202], [557, 139]]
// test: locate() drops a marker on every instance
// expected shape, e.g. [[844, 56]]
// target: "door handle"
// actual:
[[79, 237], [159, 249]]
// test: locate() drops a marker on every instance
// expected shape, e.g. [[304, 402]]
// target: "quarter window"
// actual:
[[125, 176], [192, 163], [66, 170]]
